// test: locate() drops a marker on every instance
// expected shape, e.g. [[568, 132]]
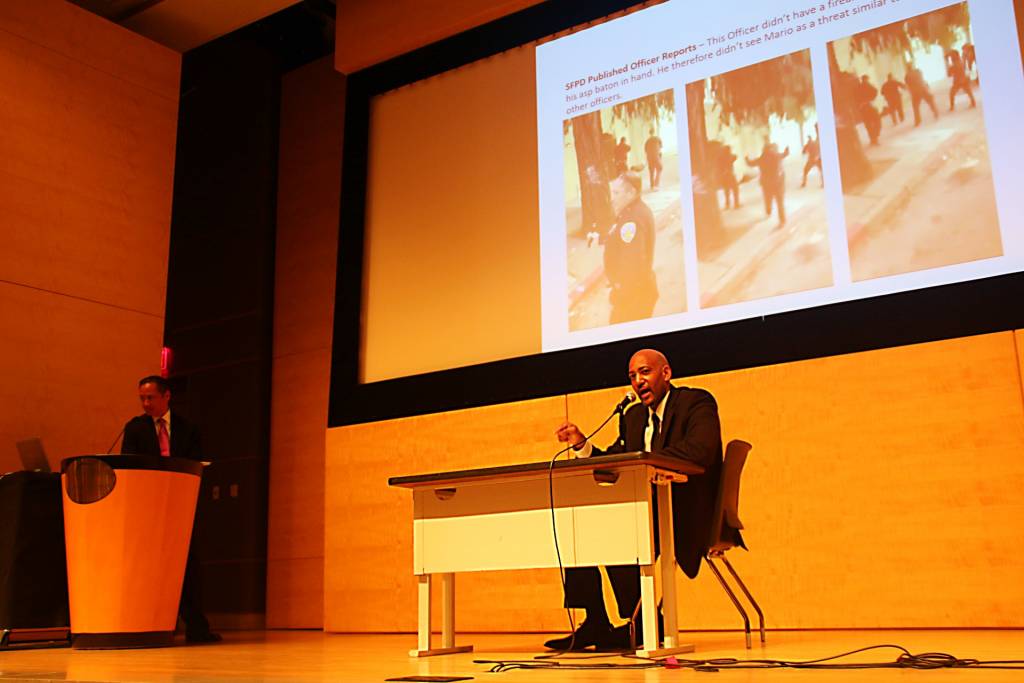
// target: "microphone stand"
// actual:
[[119, 435]]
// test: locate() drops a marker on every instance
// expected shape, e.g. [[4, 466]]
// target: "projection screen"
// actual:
[[681, 167]]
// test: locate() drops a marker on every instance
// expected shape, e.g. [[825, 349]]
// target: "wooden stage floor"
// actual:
[[315, 656]]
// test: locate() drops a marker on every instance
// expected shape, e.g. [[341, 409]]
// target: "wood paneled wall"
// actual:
[[882, 491], [312, 101], [87, 138]]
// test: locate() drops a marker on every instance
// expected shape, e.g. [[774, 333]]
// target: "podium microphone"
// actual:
[[626, 400]]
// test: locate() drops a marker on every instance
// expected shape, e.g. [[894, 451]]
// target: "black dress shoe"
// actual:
[[590, 632], [203, 637], [614, 640]]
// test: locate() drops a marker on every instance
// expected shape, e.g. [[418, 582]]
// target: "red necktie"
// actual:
[[163, 437]]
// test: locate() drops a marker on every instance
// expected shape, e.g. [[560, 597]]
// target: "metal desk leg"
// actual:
[[448, 646], [648, 609], [667, 581], [668, 567], [422, 616], [447, 611]]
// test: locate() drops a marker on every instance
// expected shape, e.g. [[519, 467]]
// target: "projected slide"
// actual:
[[700, 164], [917, 183], [764, 117]]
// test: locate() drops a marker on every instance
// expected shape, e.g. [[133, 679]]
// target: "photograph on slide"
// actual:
[[625, 242], [913, 152], [758, 190]]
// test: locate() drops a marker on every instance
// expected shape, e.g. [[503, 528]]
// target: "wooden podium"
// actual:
[[501, 518], [127, 524]]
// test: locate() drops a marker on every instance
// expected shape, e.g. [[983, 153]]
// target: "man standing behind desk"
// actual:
[[158, 432], [677, 422]]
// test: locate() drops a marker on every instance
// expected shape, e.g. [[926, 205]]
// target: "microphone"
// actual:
[[626, 400]]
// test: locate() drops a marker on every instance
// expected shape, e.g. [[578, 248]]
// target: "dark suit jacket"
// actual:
[[690, 431], [140, 438]]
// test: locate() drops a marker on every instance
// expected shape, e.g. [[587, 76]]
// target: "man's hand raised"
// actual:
[[571, 434]]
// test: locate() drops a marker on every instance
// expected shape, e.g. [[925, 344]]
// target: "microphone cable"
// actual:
[[554, 527]]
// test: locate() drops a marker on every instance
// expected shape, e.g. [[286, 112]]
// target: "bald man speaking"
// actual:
[[678, 422]]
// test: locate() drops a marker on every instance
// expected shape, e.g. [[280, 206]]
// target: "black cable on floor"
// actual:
[[905, 660]]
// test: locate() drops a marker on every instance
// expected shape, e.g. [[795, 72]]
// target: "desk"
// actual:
[[501, 518]]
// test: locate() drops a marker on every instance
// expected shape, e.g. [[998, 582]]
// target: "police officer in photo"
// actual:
[[629, 252]]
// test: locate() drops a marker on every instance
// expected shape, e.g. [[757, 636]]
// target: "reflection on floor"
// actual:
[[315, 656]]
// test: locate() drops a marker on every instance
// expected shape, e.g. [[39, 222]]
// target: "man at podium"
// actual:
[[150, 433], [679, 422], [158, 432]]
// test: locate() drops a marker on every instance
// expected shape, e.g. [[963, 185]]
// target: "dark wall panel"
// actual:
[[220, 305]]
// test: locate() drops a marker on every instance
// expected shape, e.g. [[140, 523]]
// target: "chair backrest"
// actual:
[[727, 513]]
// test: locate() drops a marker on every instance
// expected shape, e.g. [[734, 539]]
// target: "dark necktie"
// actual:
[[654, 431]]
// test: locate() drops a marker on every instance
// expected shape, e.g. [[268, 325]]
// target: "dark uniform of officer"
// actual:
[[919, 92], [893, 99], [772, 178], [629, 254]]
